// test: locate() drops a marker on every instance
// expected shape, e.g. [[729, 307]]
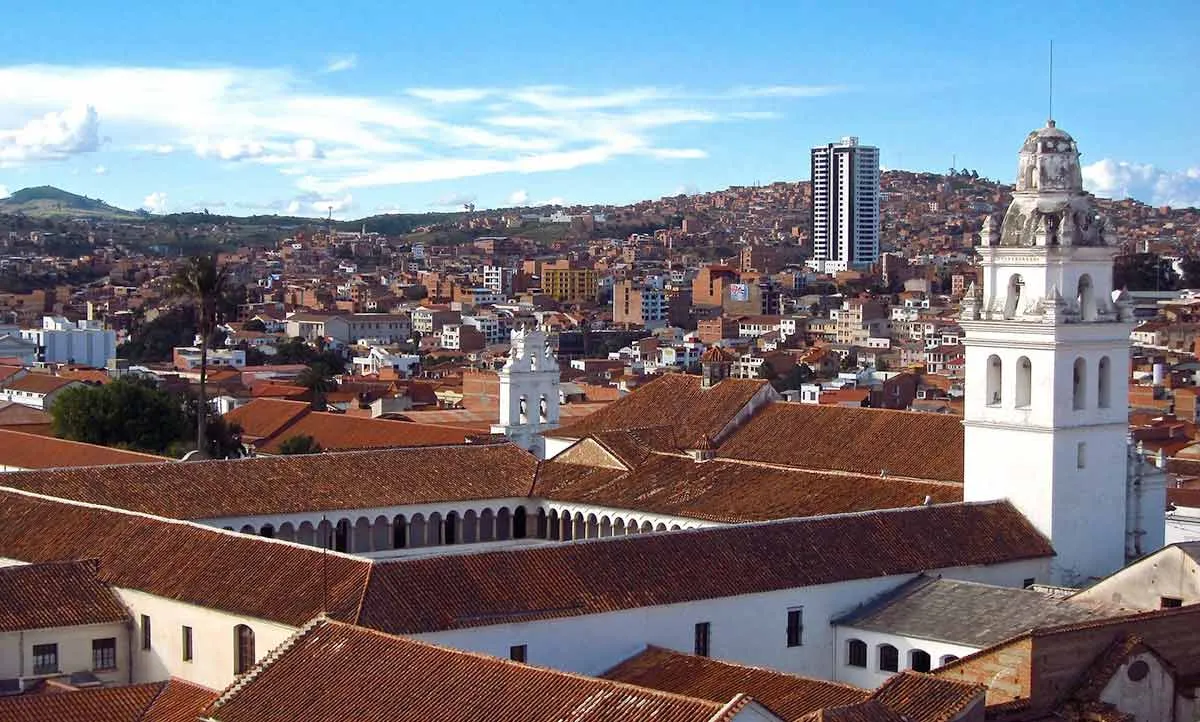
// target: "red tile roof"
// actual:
[[729, 491], [56, 594], [263, 418], [788, 696], [471, 590], [926, 698], [39, 383], [287, 484], [674, 400], [367, 676], [866, 441], [34, 451], [170, 701], [335, 432], [14, 414]]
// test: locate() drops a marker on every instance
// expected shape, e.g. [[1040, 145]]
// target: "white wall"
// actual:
[[74, 650], [870, 677], [213, 640], [1150, 699], [750, 629]]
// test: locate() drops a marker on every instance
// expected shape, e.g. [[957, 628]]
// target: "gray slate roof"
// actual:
[[967, 613]]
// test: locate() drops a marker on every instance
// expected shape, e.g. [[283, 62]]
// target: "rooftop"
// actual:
[[56, 594]]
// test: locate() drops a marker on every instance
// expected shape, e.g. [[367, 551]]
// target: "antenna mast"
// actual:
[[1051, 99]]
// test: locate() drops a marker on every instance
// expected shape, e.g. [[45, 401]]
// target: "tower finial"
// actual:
[[1050, 117]]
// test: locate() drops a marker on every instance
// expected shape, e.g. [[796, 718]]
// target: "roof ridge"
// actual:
[[240, 681], [162, 688]]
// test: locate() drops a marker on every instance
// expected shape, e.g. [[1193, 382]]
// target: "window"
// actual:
[[1086, 298], [918, 660], [1012, 303], [795, 627], [948, 658], [856, 653], [1079, 384], [104, 653], [994, 376], [243, 649], [1170, 602], [1080, 455], [518, 652], [889, 658], [45, 658], [145, 632], [1024, 395], [187, 644], [1028, 582], [703, 630], [1104, 383]]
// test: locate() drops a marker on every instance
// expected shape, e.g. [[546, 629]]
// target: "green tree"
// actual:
[[202, 280], [318, 379], [254, 325], [299, 444], [128, 413]]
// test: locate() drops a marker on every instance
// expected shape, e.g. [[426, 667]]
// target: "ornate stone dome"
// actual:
[[1049, 161]]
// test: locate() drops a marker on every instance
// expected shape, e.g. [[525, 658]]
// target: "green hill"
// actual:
[[48, 201]]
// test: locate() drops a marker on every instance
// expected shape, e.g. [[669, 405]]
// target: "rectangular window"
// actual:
[[518, 652], [45, 658], [1080, 455], [187, 644], [1028, 582], [703, 630], [104, 653], [1170, 602], [795, 627], [145, 632]]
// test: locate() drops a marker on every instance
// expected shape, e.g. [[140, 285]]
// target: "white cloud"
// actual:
[[518, 198], [4, 192], [338, 63], [330, 143], [100, 170], [156, 202], [454, 200], [53, 136], [1147, 183]]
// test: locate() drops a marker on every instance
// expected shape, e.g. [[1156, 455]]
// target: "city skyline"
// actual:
[[258, 112]]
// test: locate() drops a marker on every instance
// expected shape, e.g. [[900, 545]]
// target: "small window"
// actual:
[[243, 649], [795, 627], [948, 658], [1170, 602], [187, 644], [1080, 455], [856, 653], [918, 660], [889, 658], [145, 632], [518, 652], [703, 630], [1028, 582], [104, 653], [45, 658]]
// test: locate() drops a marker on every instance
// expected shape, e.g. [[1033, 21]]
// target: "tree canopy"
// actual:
[[299, 444], [126, 413]]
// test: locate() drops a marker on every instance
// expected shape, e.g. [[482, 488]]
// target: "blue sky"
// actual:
[[373, 107]]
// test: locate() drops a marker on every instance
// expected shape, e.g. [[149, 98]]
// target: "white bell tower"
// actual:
[[529, 391], [1047, 365]]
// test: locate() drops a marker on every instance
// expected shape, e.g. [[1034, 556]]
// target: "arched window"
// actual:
[[856, 653], [1086, 298], [1104, 383], [542, 531], [518, 522], [1012, 303], [994, 380], [889, 658], [1079, 384], [450, 536], [918, 660], [1024, 393], [948, 658], [267, 531], [243, 649]]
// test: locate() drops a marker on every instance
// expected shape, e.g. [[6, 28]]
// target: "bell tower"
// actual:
[[1047, 365], [529, 391]]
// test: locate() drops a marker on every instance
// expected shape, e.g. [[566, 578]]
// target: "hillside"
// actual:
[[48, 201]]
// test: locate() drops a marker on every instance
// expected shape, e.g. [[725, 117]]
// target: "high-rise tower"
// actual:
[[845, 210], [1047, 365]]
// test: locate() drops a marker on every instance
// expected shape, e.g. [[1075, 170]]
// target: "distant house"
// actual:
[[36, 390]]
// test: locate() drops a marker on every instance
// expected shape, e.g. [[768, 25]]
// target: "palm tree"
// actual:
[[318, 379], [204, 282]]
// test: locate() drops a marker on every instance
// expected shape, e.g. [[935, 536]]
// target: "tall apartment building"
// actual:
[[644, 304], [566, 282], [845, 206]]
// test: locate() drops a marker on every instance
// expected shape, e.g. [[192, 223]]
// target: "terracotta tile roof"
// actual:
[[14, 414], [337, 432], [674, 400], [868, 711], [34, 451], [926, 698], [7, 372], [288, 484], [730, 491], [232, 572], [471, 590], [179, 701], [39, 383], [264, 418], [372, 677], [483, 419], [56, 594], [104, 704], [867, 441], [788, 696]]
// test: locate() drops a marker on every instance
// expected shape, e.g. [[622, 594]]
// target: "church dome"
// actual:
[[1049, 162]]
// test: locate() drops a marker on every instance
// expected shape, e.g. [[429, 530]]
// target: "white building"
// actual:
[[529, 391], [845, 212], [1047, 363], [86, 343]]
